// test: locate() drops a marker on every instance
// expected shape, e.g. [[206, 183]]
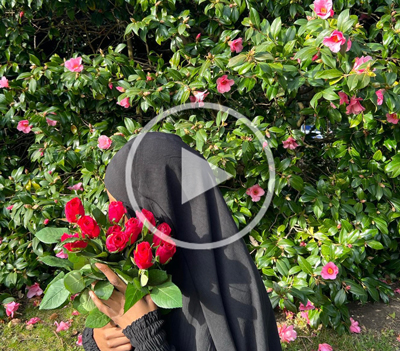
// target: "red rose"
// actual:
[[89, 226], [116, 210], [164, 228], [143, 255], [133, 228], [165, 251], [148, 215], [116, 241], [74, 208], [114, 228], [76, 245]]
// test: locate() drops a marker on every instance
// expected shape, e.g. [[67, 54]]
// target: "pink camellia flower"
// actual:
[[74, 64], [199, 96], [323, 8], [397, 291], [354, 106], [23, 126], [392, 118], [4, 82], [349, 44], [104, 142], [120, 89], [286, 333], [329, 271], [344, 99], [76, 187], [9, 207], [11, 307], [61, 254], [34, 290], [46, 221], [265, 144], [303, 244], [335, 41], [21, 14], [307, 307], [236, 45], [198, 36], [79, 342], [315, 57], [224, 84], [304, 315], [358, 62], [62, 326], [255, 192], [33, 320], [290, 143], [110, 85], [325, 347], [124, 102], [379, 94], [333, 105], [354, 328], [50, 122], [75, 313], [289, 314]]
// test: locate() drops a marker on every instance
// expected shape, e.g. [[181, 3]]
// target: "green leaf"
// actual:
[[343, 17], [103, 290], [255, 17], [133, 294], [340, 298], [329, 74], [167, 295], [55, 296], [375, 245], [55, 262], [74, 282], [236, 60], [305, 265], [276, 27], [96, 319], [157, 277], [51, 235]]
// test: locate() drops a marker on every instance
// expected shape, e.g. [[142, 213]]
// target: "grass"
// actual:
[[15, 335]]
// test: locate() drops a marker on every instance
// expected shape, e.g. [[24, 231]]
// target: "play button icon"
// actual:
[[198, 176]]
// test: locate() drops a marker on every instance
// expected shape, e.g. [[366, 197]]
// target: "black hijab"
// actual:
[[225, 303]]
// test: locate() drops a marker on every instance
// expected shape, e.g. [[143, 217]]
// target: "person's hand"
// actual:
[[111, 338], [114, 306]]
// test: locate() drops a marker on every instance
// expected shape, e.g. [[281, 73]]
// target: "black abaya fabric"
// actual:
[[225, 303]]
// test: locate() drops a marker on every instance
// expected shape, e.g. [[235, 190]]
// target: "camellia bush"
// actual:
[[78, 79]]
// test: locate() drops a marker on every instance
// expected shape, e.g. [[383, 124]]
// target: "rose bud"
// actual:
[[148, 215], [116, 241], [133, 228], [74, 208], [165, 251], [76, 245], [114, 228], [89, 226], [164, 228], [116, 210], [143, 256]]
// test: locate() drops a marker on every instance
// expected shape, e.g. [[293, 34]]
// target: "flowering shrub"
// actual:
[[69, 101]]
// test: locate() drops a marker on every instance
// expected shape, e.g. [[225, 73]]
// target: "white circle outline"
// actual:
[[181, 243]]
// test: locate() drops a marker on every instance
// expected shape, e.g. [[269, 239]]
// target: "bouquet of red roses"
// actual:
[[136, 255]]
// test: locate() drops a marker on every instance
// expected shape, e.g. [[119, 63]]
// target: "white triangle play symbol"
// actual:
[[198, 176]]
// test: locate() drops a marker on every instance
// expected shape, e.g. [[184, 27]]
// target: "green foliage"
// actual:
[[336, 196]]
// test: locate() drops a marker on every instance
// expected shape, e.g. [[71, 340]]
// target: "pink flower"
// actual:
[[198, 36], [304, 315], [397, 291], [349, 44], [303, 244], [10, 207], [11, 307], [359, 61], [290, 143], [329, 271], [33, 320], [120, 89], [354, 106], [255, 192], [4, 82], [61, 254], [21, 14], [333, 105], [104, 142], [224, 84], [335, 41], [75, 313], [315, 57], [344, 99], [36, 303], [323, 8], [289, 315], [62, 326], [307, 307], [79, 342], [46, 221], [50, 122], [325, 347], [124, 102], [110, 85], [287, 333], [354, 327], [76, 187], [74, 64], [72, 298], [236, 45], [392, 118], [265, 144], [379, 94], [23, 126], [34, 290], [199, 96], [149, 78]]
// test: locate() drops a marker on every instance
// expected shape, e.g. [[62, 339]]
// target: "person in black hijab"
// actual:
[[225, 303]]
